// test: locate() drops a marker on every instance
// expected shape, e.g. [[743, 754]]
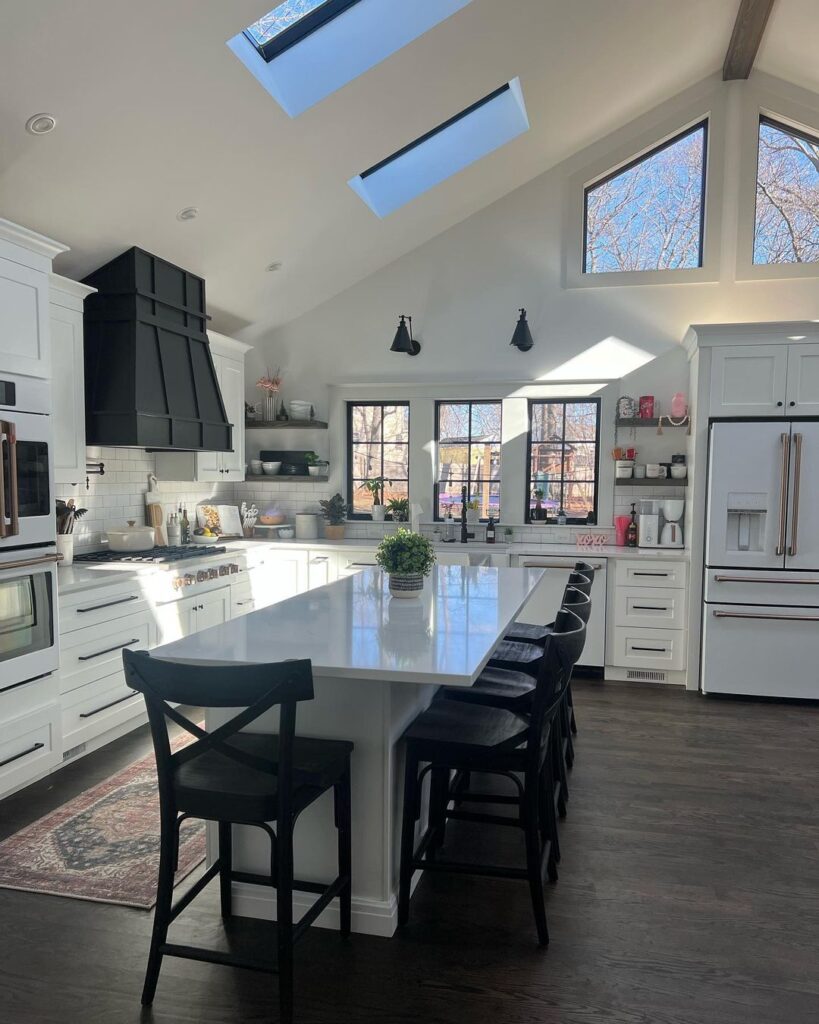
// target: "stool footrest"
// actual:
[[461, 868], [214, 956], [486, 819]]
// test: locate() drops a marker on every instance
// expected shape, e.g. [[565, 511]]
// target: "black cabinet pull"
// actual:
[[649, 607], [656, 650], [113, 704], [109, 604], [24, 753], [636, 573], [108, 650]]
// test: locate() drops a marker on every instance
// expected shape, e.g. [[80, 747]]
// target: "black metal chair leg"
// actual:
[[572, 721], [409, 817], [548, 817], [529, 813], [343, 810], [565, 714], [559, 767], [225, 866], [284, 917], [162, 911], [438, 800]]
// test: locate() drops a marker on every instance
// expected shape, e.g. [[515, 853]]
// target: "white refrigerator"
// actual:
[[761, 597]]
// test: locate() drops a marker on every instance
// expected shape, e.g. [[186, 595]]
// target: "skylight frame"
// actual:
[[480, 129], [702, 125], [305, 26]]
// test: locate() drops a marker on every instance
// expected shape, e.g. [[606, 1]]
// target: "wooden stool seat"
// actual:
[[452, 729], [497, 688]]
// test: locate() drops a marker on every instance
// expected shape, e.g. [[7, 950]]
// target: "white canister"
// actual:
[[306, 526], [65, 547], [639, 471]]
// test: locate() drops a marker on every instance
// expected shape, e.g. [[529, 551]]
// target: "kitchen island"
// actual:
[[377, 662]]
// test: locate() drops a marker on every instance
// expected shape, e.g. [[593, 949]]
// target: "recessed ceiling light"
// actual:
[[274, 266], [189, 213], [796, 337], [41, 124]]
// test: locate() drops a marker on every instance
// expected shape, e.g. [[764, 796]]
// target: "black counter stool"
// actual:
[[233, 777], [451, 736], [534, 634]]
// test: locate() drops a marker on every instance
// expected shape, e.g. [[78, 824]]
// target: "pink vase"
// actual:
[[679, 406]]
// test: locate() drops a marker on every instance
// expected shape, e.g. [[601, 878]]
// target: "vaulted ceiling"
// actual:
[[156, 114]]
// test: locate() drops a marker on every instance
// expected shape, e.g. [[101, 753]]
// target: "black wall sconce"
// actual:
[[404, 341], [522, 338]]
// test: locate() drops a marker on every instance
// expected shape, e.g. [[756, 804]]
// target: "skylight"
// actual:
[[303, 50], [450, 147]]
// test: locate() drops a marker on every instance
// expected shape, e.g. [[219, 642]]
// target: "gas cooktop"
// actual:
[[157, 555]]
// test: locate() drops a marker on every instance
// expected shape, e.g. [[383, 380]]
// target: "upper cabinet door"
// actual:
[[232, 384], [68, 395], [803, 380], [749, 380], [24, 337]]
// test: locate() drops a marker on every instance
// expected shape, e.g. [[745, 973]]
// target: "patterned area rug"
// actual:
[[103, 845]]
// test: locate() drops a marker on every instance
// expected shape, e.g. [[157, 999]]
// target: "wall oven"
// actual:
[[26, 477], [28, 617]]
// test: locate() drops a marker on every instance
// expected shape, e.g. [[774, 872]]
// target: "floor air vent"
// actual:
[[646, 675], [74, 752]]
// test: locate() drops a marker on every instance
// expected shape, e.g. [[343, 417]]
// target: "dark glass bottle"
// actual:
[[631, 529], [490, 531]]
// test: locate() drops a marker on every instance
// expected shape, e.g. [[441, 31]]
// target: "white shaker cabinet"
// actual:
[[216, 467], [25, 264], [802, 392], [749, 380], [66, 299]]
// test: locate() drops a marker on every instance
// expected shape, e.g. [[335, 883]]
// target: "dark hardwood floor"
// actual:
[[688, 894]]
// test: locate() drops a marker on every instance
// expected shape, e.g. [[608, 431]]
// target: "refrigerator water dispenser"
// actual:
[[747, 514]]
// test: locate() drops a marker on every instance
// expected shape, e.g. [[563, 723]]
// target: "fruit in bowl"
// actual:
[[204, 535]]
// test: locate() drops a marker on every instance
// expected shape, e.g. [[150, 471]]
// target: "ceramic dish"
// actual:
[[271, 468]]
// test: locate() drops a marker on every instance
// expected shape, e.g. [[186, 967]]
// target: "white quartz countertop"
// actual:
[[353, 629]]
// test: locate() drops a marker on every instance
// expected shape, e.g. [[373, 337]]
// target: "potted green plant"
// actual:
[[375, 485], [334, 510], [398, 509], [407, 558], [315, 465]]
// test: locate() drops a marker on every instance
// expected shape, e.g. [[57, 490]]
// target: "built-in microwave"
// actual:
[[27, 516], [28, 619]]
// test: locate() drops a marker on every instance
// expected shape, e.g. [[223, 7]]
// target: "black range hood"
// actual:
[[149, 375]]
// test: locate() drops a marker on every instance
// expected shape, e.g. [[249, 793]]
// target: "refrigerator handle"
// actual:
[[783, 492], [797, 475]]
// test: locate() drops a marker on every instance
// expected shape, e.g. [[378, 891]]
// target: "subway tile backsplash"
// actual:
[[119, 495]]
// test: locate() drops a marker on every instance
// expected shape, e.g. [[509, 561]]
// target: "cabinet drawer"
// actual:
[[650, 574], [97, 707], [648, 648], [29, 746], [97, 606], [94, 653], [243, 601], [654, 607], [18, 700]]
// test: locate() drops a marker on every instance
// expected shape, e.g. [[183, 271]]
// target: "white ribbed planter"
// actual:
[[406, 585]]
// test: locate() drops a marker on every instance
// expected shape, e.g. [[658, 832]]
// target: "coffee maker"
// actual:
[[659, 523]]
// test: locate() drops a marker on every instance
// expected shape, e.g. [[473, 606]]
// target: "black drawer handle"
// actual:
[[108, 650], [24, 753], [649, 607], [651, 573], [656, 650], [109, 604], [113, 704]]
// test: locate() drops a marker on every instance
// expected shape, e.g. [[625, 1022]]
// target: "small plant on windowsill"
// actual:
[[407, 558], [538, 513], [473, 511], [315, 465], [398, 509], [334, 510], [375, 485]]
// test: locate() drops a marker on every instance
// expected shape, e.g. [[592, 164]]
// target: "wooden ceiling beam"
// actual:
[[749, 27]]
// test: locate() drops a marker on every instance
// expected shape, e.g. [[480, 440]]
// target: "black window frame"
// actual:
[[300, 29], [703, 126], [470, 402], [812, 140], [350, 479], [570, 521]]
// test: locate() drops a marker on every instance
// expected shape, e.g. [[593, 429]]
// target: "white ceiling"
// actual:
[[156, 114]]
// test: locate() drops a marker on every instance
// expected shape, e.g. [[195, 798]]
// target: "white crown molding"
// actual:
[[67, 286], [31, 240]]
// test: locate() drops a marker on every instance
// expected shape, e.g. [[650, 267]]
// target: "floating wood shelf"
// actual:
[[653, 422], [285, 425], [279, 478], [662, 481]]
